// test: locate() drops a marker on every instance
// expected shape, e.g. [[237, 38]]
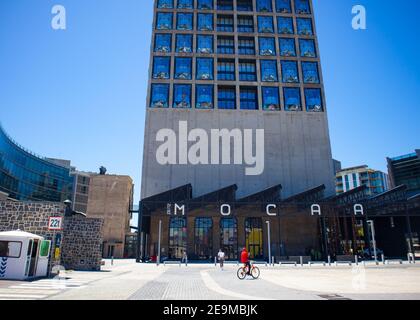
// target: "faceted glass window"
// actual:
[[161, 67], [226, 70], [203, 238], [304, 27], [271, 99], [292, 99], [247, 70], [302, 7], [224, 23], [182, 96], [163, 43], [269, 71], [185, 4], [265, 24], [183, 68], [164, 21], [205, 22], [249, 98], [204, 96], [310, 72], [159, 96], [165, 4], [205, 69], [226, 98], [313, 100], [245, 5], [287, 47], [246, 46], [264, 6], [225, 45], [307, 48], [205, 4], [177, 238], [267, 46], [205, 44], [229, 237], [184, 21], [184, 43], [285, 25], [245, 24], [225, 5], [283, 6], [290, 71]]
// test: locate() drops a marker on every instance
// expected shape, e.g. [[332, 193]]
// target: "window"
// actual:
[[244, 5], [246, 24], [264, 6], [182, 96], [205, 4], [271, 99], [226, 98], [185, 4], [247, 71], [225, 5], [205, 69], [304, 27], [165, 4], [310, 72], [10, 249], [44, 249], [205, 44], [265, 24], [246, 46], [285, 25], [229, 237], [254, 237], [226, 70], [184, 21], [249, 98], [183, 68], [287, 47], [283, 6], [267, 46], [163, 43], [313, 100], [290, 71], [269, 71], [302, 7], [307, 48], [161, 67], [177, 238], [204, 22], [203, 236], [204, 97], [292, 100], [225, 45], [183, 43], [164, 21], [224, 23], [159, 96]]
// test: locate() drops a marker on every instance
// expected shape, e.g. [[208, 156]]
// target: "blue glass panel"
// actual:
[[310, 72], [289, 71], [205, 22], [302, 7], [164, 21], [270, 97], [269, 71], [249, 98], [304, 27], [205, 44], [287, 47], [163, 42], [226, 98], [265, 24], [313, 100], [186, 4], [283, 6], [292, 99], [205, 4], [245, 24], [183, 68], [267, 46], [160, 96], [184, 21], [184, 43], [165, 4], [247, 71], [204, 97], [161, 67], [264, 6], [182, 96], [205, 69], [307, 48], [245, 5], [225, 5], [285, 25]]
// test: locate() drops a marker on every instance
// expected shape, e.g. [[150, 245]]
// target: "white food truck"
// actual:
[[23, 255]]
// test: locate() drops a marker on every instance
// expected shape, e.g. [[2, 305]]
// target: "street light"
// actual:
[[372, 230], [269, 242], [160, 235]]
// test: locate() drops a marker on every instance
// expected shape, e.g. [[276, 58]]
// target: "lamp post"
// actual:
[[269, 242], [372, 230], [160, 235]]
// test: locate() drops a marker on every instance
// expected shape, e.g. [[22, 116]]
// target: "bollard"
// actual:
[[273, 261], [409, 258], [356, 259], [329, 261], [383, 258], [215, 261], [112, 260], [301, 261]]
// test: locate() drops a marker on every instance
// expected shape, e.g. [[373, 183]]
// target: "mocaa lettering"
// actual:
[[225, 210]]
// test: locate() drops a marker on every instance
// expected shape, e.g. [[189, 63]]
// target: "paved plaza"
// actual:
[[126, 280]]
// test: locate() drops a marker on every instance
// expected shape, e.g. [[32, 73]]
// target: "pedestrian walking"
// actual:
[[184, 258], [221, 257]]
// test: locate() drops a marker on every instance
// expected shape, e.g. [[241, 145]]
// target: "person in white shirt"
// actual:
[[221, 257]]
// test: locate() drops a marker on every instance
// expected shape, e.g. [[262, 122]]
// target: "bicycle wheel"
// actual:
[[255, 272], [241, 273]]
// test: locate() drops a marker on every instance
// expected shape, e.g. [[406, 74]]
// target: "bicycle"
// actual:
[[242, 272]]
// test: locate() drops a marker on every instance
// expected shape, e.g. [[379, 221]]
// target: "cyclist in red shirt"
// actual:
[[245, 260]]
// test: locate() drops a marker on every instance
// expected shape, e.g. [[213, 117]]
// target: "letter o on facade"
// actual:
[[225, 210]]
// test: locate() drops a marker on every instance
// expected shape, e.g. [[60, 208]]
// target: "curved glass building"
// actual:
[[25, 176]]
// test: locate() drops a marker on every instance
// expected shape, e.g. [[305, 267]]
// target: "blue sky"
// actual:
[[80, 94]]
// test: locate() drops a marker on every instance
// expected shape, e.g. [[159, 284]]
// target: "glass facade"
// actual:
[[271, 99], [203, 238], [177, 238], [229, 238], [182, 96], [205, 69], [205, 97], [183, 68], [254, 237]]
